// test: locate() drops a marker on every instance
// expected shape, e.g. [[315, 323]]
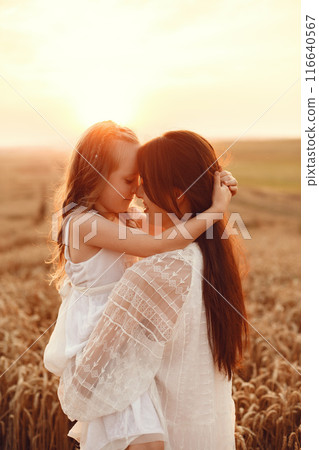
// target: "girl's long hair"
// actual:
[[83, 183], [176, 160]]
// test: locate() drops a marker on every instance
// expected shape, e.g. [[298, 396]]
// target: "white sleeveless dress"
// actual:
[[84, 296]]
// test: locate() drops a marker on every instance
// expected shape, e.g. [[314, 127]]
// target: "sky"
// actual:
[[222, 68]]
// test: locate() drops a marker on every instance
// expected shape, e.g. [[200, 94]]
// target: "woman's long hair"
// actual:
[[83, 183], [176, 160]]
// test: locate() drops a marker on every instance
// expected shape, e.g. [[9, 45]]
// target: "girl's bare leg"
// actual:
[[156, 445]]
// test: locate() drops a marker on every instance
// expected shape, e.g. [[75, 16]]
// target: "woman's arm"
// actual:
[[106, 234], [125, 349]]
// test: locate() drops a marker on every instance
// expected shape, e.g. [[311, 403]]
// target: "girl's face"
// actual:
[[123, 182]]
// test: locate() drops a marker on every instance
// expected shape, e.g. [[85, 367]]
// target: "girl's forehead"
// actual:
[[126, 152]]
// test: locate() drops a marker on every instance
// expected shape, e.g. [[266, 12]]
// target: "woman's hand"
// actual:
[[221, 194], [227, 178]]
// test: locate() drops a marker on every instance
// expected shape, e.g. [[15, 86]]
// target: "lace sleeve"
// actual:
[[125, 349]]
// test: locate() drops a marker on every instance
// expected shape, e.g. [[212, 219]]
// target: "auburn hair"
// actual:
[[186, 161], [92, 157]]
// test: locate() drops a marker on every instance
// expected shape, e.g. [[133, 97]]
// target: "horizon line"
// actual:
[[218, 139]]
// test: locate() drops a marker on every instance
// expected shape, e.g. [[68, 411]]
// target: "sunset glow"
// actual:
[[210, 66]]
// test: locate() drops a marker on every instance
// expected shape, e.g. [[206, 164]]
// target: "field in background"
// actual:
[[266, 390]]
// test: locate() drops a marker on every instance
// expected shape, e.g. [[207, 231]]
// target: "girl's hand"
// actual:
[[227, 178], [221, 194]]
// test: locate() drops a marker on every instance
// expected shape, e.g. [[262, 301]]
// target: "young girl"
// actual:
[[91, 257]]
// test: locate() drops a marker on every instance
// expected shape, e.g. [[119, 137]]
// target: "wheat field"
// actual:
[[267, 388]]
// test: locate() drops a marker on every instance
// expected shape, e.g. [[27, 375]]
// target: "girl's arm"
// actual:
[[96, 231]]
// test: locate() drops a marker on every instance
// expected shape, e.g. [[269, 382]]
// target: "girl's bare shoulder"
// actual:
[[82, 226]]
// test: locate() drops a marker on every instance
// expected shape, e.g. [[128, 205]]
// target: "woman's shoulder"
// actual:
[[186, 254], [175, 261], [161, 279]]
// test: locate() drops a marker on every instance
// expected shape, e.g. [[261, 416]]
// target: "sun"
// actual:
[[105, 104]]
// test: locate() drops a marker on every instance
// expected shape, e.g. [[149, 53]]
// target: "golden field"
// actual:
[[266, 390]]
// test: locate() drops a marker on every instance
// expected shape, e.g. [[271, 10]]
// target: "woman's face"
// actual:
[[158, 218]]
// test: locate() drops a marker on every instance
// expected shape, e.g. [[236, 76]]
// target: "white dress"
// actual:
[[84, 296], [153, 335]]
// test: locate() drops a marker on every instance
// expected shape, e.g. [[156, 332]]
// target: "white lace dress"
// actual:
[[153, 336], [84, 296]]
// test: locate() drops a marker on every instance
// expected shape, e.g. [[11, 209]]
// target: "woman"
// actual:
[[175, 323]]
